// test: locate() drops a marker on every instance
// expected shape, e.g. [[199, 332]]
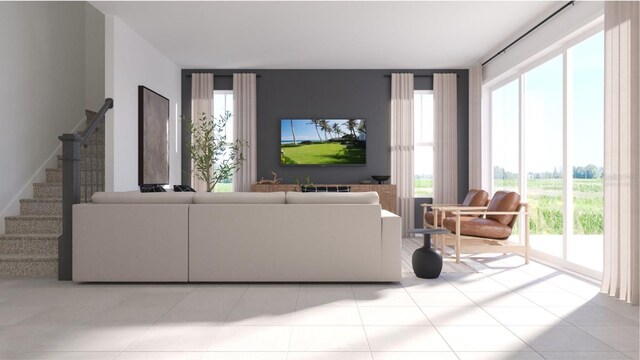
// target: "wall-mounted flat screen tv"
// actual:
[[323, 142]]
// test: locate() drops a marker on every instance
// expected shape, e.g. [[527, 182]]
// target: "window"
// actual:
[[423, 143], [547, 122], [223, 102]]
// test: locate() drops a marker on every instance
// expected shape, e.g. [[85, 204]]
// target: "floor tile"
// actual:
[[390, 315], [205, 299], [151, 355], [152, 299], [328, 338], [244, 356], [564, 299], [499, 298], [621, 338], [58, 355], [30, 338], [185, 317], [268, 313], [635, 355], [464, 315], [524, 316], [328, 315], [558, 338], [98, 338], [252, 338], [14, 315], [325, 295], [125, 315], [481, 338], [441, 298], [407, 355], [405, 338], [329, 355], [590, 315], [431, 285], [506, 355], [382, 295], [577, 355], [175, 338]]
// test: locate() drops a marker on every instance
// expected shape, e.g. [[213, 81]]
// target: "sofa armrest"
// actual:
[[391, 246]]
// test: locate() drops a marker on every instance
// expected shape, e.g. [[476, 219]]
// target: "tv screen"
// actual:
[[323, 142]]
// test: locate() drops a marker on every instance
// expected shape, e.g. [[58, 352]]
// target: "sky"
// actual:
[[543, 111]]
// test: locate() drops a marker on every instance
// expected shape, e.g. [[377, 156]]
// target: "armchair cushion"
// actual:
[[504, 201], [475, 197], [480, 227]]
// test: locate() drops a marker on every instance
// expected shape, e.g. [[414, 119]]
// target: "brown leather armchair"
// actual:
[[488, 231], [476, 199]]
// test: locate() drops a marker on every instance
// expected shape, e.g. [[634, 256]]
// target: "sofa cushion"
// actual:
[[370, 197], [142, 198], [480, 227], [240, 198]]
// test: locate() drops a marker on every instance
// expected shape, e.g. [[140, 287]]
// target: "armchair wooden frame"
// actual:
[[440, 210], [475, 244]]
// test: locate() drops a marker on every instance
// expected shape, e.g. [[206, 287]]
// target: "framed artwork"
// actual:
[[153, 137]]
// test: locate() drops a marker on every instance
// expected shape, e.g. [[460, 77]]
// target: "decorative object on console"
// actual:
[[150, 188], [275, 180], [153, 137], [380, 178], [214, 158], [183, 188], [324, 188], [300, 185]]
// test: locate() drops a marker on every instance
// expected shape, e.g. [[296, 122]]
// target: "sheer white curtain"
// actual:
[[201, 102], [622, 151], [445, 139], [244, 118], [475, 127], [402, 145]]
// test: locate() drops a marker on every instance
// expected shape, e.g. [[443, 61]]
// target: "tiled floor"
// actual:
[[505, 311]]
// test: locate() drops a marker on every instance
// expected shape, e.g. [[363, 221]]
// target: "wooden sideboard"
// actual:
[[388, 193]]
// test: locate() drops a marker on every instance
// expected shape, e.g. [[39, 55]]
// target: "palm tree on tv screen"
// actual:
[[352, 125], [324, 125], [315, 124], [293, 133], [337, 130]]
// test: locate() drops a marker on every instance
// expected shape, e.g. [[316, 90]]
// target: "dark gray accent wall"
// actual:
[[330, 94]]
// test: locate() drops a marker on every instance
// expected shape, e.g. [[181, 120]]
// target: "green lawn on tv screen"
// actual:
[[322, 154]]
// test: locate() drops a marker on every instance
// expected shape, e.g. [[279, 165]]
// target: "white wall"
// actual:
[[94, 57], [132, 61], [41, 90], [535, 45]]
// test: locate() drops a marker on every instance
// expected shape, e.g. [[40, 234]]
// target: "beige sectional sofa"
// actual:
[[235, 237]]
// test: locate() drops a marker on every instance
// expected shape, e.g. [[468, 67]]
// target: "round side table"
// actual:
[[427, 263]]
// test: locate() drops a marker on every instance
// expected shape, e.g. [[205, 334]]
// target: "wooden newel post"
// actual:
[[70, 196]]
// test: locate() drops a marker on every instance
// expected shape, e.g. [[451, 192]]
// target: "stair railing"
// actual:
[[77, 185]]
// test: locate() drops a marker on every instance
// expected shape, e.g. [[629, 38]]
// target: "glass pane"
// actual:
[[423, 170], [223, 102], [586, 79], [423, 115], [543, 114], [505, 137]]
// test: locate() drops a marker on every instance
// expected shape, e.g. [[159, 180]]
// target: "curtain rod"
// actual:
[[223, 76], [529, 32], [415, 76]]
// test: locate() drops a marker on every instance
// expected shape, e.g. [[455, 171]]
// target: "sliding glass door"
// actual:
[[547, 125]]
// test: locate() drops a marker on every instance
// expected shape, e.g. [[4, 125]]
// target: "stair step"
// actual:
[[90, 162], [28, 266], [41, 206], [33, 224], [34, 244], [86, 176], [54, 191]]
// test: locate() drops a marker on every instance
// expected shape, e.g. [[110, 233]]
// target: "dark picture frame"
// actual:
[[153, 137]]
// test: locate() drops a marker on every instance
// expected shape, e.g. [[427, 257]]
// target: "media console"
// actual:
[[387, 193]]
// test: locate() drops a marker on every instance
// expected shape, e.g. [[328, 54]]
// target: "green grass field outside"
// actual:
[[545, 201], [321, 154]]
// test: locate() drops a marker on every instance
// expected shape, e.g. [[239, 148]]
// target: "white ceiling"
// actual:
[[327, 35]]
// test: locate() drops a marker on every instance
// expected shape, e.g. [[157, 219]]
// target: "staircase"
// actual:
[[30, 246]]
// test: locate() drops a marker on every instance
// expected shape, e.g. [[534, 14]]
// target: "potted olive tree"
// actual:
[[214, 158]]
